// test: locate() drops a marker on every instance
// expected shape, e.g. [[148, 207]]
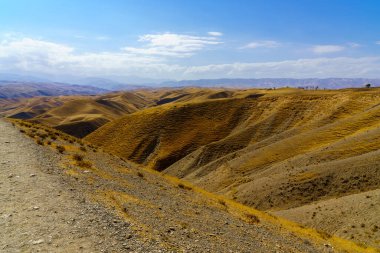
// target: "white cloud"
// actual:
[[45, 57], [263, 44], [216, 34], [326, 49], [301, 68], [171, 44]]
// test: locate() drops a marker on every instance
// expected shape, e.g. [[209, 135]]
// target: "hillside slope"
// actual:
[[272, 150], [75, 115], [81, 115], [165, 214], [10, 90]]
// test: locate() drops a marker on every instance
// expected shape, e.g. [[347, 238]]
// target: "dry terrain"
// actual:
[[308, 156], [81, 115], [270, 149], [94, 202]]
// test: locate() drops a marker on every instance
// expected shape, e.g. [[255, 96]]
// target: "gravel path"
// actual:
[[40, 212]]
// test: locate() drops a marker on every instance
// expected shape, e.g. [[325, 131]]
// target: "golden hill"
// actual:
[[273, 150], [179, 216], [81, 115], [27, 108]]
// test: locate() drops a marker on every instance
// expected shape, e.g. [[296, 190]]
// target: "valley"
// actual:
[[309, 156]]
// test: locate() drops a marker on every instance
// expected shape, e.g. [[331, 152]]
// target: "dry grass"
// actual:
[[84, 164], [60, 148], [184, 186], [285, 149], [78, 157]]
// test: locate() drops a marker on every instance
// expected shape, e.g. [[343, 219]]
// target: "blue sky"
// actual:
[[173, 39]]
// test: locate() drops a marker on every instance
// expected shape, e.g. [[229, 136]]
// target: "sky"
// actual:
[[178, 39]]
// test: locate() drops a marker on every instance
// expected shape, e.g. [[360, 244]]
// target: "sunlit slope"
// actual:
[[81, 115], [353, 217], [26, 108], [84, 115], [78, 115], [123, 187], [280, 150], [160, 136]]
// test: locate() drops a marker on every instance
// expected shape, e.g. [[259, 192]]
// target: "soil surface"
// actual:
[[42, 212], [52, 203]]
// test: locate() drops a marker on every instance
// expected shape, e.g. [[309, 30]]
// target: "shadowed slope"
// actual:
[[284, 149], [158, 143]]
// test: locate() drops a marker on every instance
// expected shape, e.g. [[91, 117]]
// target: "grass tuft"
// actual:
[[252, 218], [78, 157], [84, 164], [185, 187], [60, 148]]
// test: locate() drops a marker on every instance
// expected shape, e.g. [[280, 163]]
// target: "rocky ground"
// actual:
[[84, 200], [42, 212]]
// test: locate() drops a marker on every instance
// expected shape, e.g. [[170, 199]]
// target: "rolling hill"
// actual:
[[275, 150], [11, 89], [309, 156], [80, 115]]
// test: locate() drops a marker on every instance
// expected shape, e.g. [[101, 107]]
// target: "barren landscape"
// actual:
[[185, 169], [93, 202]]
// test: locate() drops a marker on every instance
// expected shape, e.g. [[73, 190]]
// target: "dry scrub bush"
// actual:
[[84, 164], [222, 202], [252, 218], [78, 157], [185, 187], [60, 148]]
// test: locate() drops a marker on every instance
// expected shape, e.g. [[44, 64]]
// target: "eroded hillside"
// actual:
[[273, 150], [81, 115], [120, 207]]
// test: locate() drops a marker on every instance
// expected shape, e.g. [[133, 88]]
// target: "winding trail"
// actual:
[[38, 213]]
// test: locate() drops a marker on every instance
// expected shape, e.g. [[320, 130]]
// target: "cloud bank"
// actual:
[[170, 44], [152, 60]]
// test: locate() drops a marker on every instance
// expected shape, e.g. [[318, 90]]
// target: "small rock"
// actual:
[[38, 241], [32, 175], [36, 207]]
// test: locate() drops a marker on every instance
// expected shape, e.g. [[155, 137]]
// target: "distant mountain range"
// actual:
[[328, 83], [132, 83], [32, 89]]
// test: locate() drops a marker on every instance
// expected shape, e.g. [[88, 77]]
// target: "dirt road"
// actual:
[[39, 212]]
